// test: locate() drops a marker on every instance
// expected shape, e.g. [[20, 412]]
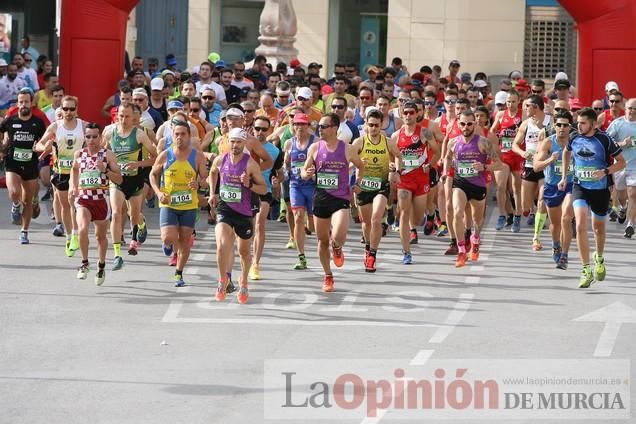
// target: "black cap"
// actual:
[[410, 104], [314, 65], [562, 84]]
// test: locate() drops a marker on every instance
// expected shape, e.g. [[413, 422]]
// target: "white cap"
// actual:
[[480, 84], [561, 76], [233, 111], [3, 62], [140, 91], [304, 92], [196, 69], [156, 84], [611, 85], [501, 97], [237, 133], [370, 109]]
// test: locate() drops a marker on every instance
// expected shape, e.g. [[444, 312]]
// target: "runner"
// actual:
[[468, 156], [93, 167], [549, 160], [64, 138], [378, 154], [262, 127], [21, 132], [328, 160], [414, 143], [125, 140], [301, 191], [592, 151], [176, 176], [239, 176]]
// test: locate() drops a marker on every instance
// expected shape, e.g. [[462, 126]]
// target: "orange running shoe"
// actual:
[[221, 291], [327, 285], [369, 263], [337, 255], [474, 252], [461, 260], [242, 295]]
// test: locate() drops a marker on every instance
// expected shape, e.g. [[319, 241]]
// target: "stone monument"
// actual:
[[278, 29]]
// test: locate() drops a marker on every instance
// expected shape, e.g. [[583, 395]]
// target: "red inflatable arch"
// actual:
[[607, 45], [92, 43]]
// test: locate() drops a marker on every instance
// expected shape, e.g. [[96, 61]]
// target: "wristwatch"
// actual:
[[606, 171]]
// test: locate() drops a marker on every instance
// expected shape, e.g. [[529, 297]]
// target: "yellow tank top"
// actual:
[[43, 100], [177, 175], [376, 170], [67, 142]]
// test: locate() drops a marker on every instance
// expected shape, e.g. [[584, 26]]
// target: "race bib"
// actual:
[[327, 180], [529, 162], [181, 198], [634, 141], [371, 183], [22, 155], [90, 179], [297, 167], [230, 193], [506, 144], [122, 165], [411, 161], [558, 168], [466, 169], [65, 164], [585, 174]]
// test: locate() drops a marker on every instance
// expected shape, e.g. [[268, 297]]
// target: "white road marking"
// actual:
[[422, 357], [454, 318], [472, 279]]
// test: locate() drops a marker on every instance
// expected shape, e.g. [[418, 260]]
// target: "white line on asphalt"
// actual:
[[374, 420], [472, 279], [172, 316], [422, 356], [454, 318], [607, 339], [476, 268], [198, 257], [191, 271]]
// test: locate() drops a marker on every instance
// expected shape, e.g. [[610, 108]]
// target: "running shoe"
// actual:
[[369, 263], [509, 220], [36, 210], [173, 259], [362, 240], [563, 262], [100, 277], [133, 247], [516, 224], [536, 245], [118, 263], [243, 295], [613, 215], [67, 249], [428, 227], [291, 244], [530, 220], [178, 280], [58, 231], [622, 216], [255, 272], [385, 229], [302, 264], [167, 250], [328, 284], [413, 237], [587, 278], [24, 237], [556, 254], [47, 195], [390, 216], [599, 267], [337, 256], [461, 260], [307, 231], [221, 291], [16, 214], [452, 249], [151, 203], [467, 241], [82, 271], [407, 259], [231, 288], [142, 233], [75, 242], [501, 222], [442, 231], [629, 232], [474, 252]]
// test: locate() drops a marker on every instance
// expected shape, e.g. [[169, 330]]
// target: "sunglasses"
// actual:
[[466, 124], [195, 110], [450, 102], [208, 97], [373, 125], [429, 103], [88, 137], [250, 110], [260, 129], [302, 99], [69, 109], [614, 101], [286, 96], [364, 97], [631, 108], [409, 112], [537, 91], [337, 106], [560, 109], [598, 109], [561, 125], [28, 60], [176, 121], [403, 100], [324, 126]]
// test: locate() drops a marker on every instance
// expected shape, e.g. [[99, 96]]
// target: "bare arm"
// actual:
[[155, 177], [113, 171], [255, 146], [254, 179], [45, 144], [519, 138]]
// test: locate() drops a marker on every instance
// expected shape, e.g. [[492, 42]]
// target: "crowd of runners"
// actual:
[[418, 154]]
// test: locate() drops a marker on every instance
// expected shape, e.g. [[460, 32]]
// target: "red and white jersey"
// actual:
[[414, 150], [93, 184]]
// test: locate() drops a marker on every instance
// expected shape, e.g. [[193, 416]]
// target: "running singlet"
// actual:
[[609, 118], [167, 137], [127, 150], [443, 125], [22, 137], [93, 184], [67, 142], [233, 194], [273, 152], [590, 154], [177, 175], [332, 170], [298, 158], [465, 155], [390, 129], [531, 141], [508, 130], [376, 170], [414, 151], [554, 171]]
